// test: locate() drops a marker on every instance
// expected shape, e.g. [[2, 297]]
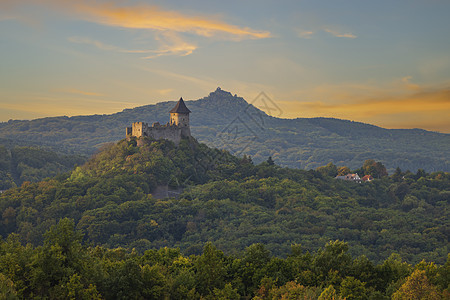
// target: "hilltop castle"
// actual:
[[177, 128]]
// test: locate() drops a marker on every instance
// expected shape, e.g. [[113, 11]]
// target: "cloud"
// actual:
[[166, 25], [165, 92], [340, 34], [305, 34], [419, 102], [150, 17], [171, 44], [308, 34], [36, 105], [411, 86], [89, 41], [397, 104]]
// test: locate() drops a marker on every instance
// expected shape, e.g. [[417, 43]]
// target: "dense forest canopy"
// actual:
[[228, 122], [235, 203], [20, 163], [62, 268]]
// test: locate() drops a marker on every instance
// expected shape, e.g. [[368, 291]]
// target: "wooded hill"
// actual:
[[234, 203], [19, 164], [229, 122]]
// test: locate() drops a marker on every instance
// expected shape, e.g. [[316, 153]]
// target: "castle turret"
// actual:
[[175, 130], [179, 116]]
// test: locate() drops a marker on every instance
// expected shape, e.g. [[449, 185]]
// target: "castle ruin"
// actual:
[[174, 130]]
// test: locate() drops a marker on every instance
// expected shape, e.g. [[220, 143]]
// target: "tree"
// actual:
[[333, 257], [210, 269], [292, 290], [329, 293], [252, 267], [65, 237], [443, 275], [376, 169], [417, 287], [153, 282], [363, 269], [328, 170], [353, 289], [74, 289], [7, 288], [398, 175], [343, 171], [15, 265], [399, 190], [9, 219], [183, 286], [227, 293], [59, 261], [420, 173], [392, 270]]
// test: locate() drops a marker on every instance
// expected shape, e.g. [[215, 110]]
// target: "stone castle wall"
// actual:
[[173, 133]]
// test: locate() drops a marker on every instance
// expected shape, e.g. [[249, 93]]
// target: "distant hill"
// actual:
[[228, 122]]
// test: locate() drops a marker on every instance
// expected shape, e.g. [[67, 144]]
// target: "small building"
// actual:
[[367, 178], [175, 130], [350, 177]]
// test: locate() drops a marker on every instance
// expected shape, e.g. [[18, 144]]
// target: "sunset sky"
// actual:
[[381, 62]]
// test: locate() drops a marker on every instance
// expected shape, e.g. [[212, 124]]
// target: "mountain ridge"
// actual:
[[302, 142]]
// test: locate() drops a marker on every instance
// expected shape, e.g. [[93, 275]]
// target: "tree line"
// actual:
[[64, 268]]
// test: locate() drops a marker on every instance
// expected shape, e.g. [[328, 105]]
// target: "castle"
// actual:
[[177, 128]]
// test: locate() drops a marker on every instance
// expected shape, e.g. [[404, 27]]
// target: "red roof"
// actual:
[[367, 178]]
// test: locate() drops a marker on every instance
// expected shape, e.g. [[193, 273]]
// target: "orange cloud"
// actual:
[[308, 34], [407, 83], [150, 17], [172, 44], [76, 103], [419, 102], [339, 34], [166, 24], [424, 109]]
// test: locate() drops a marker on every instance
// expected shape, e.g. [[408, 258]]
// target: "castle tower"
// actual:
[[179, 116]]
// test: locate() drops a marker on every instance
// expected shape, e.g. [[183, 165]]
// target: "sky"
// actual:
[[381, 62]]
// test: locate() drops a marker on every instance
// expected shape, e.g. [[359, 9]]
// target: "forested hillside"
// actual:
[[20, 164], [229, 122], [234, 203]]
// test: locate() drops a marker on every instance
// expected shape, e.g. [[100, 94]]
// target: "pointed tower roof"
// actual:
[[180, 108]]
